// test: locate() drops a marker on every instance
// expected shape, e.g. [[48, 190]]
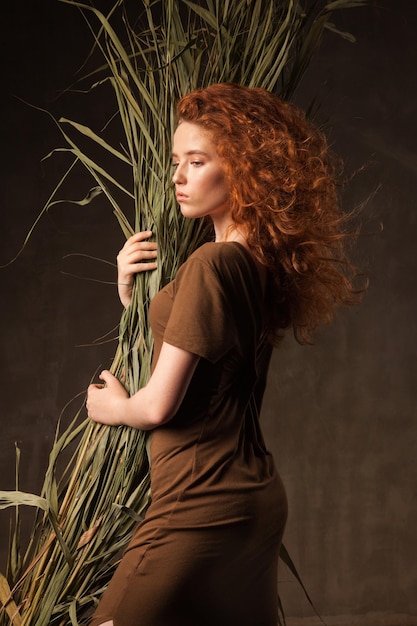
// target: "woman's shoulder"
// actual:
[[229, 263], [218, 253]]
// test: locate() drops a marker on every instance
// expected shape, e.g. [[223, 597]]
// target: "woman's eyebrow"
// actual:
[[190, 152]]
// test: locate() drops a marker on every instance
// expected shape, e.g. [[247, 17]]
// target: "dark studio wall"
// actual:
[[340, 416]]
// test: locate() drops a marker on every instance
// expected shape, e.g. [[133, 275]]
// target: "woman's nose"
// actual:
[[178, 176]]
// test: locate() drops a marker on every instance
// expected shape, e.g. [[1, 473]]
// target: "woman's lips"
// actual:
[[181, 197]]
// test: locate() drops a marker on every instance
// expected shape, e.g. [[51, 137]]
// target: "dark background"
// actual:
[[340, 416]]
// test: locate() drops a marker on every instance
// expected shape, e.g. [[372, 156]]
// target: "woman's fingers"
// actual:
[[137, 249], [104, 401], [108, 378], [137, 255], [141, 251], [141, 236], [141, 241]]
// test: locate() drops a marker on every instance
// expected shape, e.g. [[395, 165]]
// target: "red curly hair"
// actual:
[[284, 196]]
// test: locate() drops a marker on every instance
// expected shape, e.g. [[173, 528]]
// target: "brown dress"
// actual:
[[206, 553]]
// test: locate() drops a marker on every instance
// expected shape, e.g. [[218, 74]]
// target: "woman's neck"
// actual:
[[230, 233]]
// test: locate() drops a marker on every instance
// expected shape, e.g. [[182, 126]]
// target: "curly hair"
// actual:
[[284, 195]]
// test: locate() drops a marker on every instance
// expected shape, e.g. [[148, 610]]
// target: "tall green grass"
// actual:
[[149, 58]]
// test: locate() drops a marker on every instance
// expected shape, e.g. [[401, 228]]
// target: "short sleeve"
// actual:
[[200, 319]]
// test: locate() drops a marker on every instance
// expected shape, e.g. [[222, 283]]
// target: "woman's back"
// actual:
[[213, 448]]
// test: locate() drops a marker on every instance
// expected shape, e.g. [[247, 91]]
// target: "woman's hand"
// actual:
[[135, 256], [107, 404]]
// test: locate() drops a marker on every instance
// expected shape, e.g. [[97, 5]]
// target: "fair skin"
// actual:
[[201, 191], [200, 184], [137, 255]]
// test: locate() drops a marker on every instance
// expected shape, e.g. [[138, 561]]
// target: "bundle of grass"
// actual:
[[86, 515]]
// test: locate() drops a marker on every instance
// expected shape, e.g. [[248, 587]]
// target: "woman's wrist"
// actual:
[[125, 288]]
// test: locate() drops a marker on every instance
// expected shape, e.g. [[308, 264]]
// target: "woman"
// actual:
[[206, 552]]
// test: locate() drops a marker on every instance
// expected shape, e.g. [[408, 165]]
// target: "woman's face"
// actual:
[[200, 182]]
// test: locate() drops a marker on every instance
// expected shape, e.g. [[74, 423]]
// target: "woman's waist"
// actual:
[[200, 475], [199, 504]]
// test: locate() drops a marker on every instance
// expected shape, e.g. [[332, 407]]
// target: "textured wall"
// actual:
[[340, 416]]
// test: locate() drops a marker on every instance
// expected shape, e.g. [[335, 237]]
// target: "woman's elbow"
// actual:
[[156, 416], [155, 405]]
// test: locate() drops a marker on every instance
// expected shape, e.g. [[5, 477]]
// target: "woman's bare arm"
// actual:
[[154, 404]]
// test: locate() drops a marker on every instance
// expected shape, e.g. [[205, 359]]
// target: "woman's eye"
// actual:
[[196, 163], [174, 165]]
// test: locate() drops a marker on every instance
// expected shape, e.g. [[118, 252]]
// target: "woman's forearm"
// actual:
[[153, 405]]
